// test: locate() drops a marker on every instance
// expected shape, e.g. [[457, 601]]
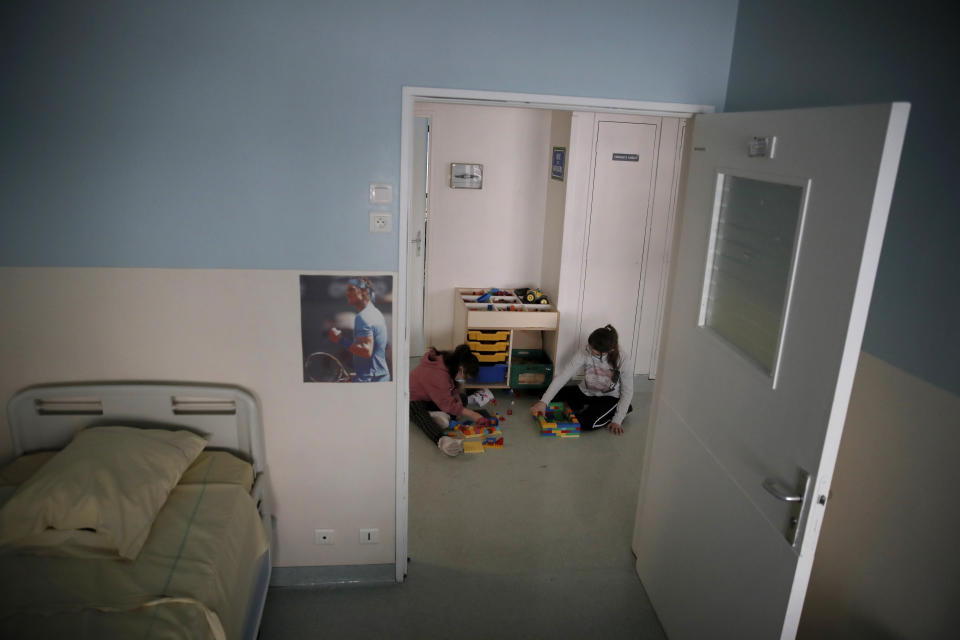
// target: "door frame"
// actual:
[[420, 279], [410, 96]]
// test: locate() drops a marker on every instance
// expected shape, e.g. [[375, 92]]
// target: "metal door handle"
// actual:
[[797, 499], [417, 241], [777, 490]]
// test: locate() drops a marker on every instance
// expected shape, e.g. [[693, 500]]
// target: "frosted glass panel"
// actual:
[[752, 255]]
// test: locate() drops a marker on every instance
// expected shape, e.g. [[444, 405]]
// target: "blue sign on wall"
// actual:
[[558, 163]]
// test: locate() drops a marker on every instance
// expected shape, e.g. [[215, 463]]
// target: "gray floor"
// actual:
[[531, 541]]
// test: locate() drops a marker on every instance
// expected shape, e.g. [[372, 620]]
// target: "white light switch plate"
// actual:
[[381, 193]]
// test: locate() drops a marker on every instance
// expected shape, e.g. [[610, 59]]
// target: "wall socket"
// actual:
[[323, 536], [369, 536], [380, 222]]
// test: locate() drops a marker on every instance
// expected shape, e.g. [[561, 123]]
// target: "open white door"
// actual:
[[417, 231], [780, 234]]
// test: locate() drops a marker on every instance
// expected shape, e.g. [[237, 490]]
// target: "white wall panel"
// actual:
[[560, 122], [886, 564], [489, 237]]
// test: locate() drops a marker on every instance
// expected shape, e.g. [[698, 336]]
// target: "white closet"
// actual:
[[617, 222]]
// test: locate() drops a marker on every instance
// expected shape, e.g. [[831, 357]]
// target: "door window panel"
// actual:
[[750, 265]]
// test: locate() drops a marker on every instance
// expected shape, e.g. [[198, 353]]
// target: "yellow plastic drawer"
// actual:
[[491, 357], [488, 336], [488, 346]]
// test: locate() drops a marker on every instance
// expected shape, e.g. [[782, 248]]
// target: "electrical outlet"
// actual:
[[323, 536], [380, 222], [369, 536]]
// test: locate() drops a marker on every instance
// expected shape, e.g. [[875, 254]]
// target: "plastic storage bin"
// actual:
[[491, 357], [488, 346], [488, 336], [530, 369], [491, 374]]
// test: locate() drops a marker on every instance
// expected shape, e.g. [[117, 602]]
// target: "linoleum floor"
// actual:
[[530, 541]]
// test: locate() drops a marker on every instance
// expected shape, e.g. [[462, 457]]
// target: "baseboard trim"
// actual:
[[334, 575]]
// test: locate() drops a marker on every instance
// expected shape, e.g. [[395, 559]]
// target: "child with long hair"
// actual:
[[435, 394], [602, 399]]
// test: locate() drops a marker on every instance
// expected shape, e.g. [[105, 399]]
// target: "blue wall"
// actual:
[[822, 52], [244, 134]]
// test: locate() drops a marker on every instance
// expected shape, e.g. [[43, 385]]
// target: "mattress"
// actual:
[[195, 576]]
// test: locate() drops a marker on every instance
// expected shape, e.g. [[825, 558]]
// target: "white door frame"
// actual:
[[402, 341], [419, 280]]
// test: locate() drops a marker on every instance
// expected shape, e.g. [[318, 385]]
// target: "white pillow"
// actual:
[[104, 490]]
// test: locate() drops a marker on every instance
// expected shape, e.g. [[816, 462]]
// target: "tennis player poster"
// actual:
[[345, 326]]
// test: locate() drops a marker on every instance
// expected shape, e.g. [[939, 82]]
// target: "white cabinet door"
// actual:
[[622, 197], [656, 258], [775, 268]]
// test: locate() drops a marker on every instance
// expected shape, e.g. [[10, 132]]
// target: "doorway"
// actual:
[[412, 95], [599, 253]]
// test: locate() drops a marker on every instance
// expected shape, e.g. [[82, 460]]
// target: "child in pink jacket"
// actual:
[[434, 387]]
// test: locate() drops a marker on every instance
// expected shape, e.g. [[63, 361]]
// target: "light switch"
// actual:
[[381, 193]]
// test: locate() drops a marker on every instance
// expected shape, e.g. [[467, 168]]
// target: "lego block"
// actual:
[[557, 417], [474, 432], [472, 447], [493, 443]]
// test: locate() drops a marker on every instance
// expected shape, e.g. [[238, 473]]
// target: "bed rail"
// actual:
[[46, 417]]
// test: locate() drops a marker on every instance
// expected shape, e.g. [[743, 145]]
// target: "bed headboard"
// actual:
[[46, 417]]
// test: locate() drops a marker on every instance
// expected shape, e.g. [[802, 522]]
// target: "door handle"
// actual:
[[778, 491], [797, 499], [417, 241]]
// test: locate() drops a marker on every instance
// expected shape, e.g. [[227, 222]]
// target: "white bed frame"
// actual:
[[46, 417]]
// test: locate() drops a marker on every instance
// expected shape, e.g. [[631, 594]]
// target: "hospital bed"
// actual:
[[204, 565]]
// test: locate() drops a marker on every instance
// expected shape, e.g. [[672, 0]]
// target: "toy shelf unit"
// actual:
[[496, 324]]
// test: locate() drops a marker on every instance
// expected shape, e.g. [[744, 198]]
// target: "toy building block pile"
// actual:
[[485, 434], [558, 421]]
